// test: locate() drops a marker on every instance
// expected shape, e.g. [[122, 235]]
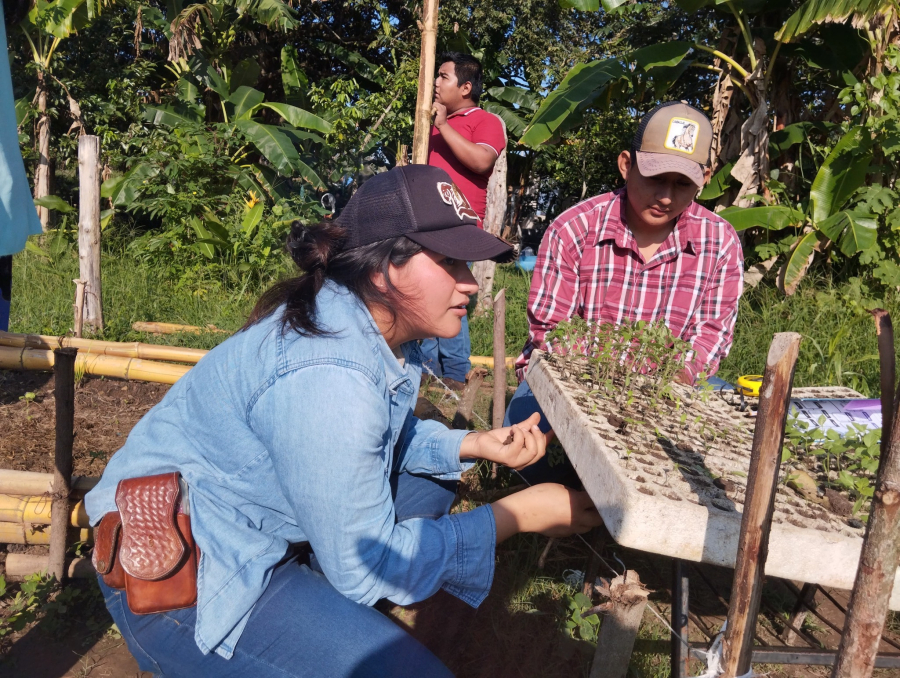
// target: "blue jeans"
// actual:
[[5, 290], [524, 404], [448, 357], [302, 626]]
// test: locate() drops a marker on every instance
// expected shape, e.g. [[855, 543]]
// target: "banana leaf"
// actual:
[[841, 173], [852, 231], [771, 218], [582, 86], [300, 118], [797, 263]]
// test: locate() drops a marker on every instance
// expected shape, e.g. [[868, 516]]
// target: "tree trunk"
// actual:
[[868, 608], [493, 223], [42, 171], [425, 95], [89, 230]]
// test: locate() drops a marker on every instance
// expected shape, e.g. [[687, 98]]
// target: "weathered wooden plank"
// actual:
[[759, 506]]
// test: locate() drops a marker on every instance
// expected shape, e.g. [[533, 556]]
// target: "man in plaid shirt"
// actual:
[[643, 252]]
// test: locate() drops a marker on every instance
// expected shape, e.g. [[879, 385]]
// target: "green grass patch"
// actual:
[[43, 293]]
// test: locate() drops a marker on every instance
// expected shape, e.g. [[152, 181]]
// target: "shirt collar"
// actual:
[[463, 112], [611, 226]]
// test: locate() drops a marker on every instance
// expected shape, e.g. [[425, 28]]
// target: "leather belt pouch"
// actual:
[[154, 552]]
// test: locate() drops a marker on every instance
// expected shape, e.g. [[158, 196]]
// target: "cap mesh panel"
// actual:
[[380, 210]]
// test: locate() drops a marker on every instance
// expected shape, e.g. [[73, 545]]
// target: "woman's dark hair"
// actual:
[[14, 11], [468, 69], [317, 251]]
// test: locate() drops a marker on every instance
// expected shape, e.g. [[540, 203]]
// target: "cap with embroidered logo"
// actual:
[[422, 203], [673, 137]]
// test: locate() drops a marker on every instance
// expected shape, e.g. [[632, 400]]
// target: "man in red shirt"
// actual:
[[466, 142], [644, 252]]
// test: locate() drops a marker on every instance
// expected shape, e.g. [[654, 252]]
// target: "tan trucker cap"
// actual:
[[673, 137]]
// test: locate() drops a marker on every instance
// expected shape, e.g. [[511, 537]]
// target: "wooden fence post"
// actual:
[[621, 623], [64, 390], [867, 611], [499, 364], [494, 215], [89, 229], [425, 95], [753, 543]]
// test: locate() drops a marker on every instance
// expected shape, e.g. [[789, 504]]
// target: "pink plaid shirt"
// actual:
[[589, 265]]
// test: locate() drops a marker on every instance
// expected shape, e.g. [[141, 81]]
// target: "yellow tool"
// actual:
[[749, 384]]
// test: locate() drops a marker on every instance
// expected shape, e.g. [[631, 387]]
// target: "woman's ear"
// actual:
[[624, 162], [379, 281]]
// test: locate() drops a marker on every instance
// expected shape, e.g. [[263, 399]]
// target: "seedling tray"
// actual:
[[675, 485]]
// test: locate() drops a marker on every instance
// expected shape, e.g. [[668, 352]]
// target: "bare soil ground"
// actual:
[[518, 631]]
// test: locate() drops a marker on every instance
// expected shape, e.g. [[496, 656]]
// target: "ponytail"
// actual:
[[318, 252]]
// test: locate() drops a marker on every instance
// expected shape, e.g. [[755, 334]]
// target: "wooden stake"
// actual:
[[499, 364], [753, 543], [798, 614], [89, 229], [64, 391], [463, 416], [494, 215], [878, 562], [425, 95], [78, 306], [620, 626]]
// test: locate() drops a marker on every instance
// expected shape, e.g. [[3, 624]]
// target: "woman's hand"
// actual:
[[516, 446], [549, 509]]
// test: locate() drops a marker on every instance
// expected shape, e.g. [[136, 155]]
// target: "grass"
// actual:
[[132, 291]]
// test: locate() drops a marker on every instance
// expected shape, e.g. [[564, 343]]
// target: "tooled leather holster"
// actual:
[[146, 547]]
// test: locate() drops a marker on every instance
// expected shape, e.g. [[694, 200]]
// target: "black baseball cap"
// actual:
[[422, 203]]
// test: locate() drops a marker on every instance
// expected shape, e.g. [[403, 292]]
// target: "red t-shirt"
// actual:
[[477, 126]]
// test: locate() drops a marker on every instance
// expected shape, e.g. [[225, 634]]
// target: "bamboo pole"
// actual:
[[37, 509], [425, 94], [753, 542], [89, 229], [64, 387], [867, 611], [20, 566], [37, 535], [175, 328], [134, 349], [34, 483], [135, 369]]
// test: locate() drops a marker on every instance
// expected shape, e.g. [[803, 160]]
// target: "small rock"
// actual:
[[724, 484], [855, 522], [803, 484], [838, 502]]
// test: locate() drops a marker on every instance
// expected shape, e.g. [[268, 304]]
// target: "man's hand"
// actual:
[[516, 446], [439, 111]]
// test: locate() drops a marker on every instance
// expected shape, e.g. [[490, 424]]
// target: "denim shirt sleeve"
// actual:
[[327, 430], [430, 448]]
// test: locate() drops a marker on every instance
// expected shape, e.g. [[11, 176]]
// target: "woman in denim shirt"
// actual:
[[300, 429]]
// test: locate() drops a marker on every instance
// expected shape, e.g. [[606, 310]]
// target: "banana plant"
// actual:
[[267, 152], [828, 218]]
